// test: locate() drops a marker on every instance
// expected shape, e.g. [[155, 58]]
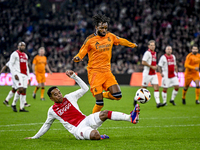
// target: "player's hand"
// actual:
[[50, 72], [34, 72], [136, 45], [154, 67], [16, 77], [29, 82], [76, 59], [69, 73], [197, 68], [162, 75], [28, 138]]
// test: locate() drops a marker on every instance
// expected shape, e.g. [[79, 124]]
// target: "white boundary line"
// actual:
[[29, 124], [102, 128]]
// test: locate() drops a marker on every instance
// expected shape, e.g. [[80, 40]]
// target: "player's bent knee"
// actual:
[[103, 115], [94, 135], [117, 96]]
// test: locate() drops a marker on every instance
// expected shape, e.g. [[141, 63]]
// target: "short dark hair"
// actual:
[[100, 18], [195, 45], [50, 89]]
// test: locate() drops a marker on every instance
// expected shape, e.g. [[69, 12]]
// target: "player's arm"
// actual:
[[33, 68], [150, 66], [80, 92], [83, 51], [3, 69], [160, 65], [48, 69], [187, 63], [11, 65], [160, 70], [46, 126], [125, 42]]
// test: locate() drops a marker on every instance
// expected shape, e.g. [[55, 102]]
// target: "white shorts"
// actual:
[[22, 82], [91, 122], [153, 79], [168, 82], [14, 83]]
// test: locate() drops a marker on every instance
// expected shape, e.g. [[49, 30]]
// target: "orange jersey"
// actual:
[[99, 50], [192, 61], [40, 63]]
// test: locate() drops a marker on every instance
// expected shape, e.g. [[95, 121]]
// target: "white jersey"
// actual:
[[67, 112], [18, 63], [150, 57], [168, 63]]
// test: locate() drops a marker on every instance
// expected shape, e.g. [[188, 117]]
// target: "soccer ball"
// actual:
[[142, 95]]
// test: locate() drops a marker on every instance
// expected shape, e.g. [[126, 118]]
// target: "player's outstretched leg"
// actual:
[[135, 114]]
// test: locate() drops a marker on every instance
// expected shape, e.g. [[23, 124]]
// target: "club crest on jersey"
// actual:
[[109, 39]]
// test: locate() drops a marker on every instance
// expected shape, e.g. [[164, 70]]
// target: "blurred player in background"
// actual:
[[19, 69], [192, 72], [14, 89], [39, 65], [149, 72], [66, 110], [98, 46], [167, 68]]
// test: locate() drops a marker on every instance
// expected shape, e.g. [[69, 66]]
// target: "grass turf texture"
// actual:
[[169, 127]]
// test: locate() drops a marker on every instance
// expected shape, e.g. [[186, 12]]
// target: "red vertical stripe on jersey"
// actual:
[[22, 62], [68, 112], [171, 66], [153, 62]]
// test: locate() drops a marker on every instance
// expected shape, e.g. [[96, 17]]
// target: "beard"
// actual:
[[100, 34], [194, 53]]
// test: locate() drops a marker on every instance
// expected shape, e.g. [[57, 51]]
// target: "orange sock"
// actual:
[[42, 93], [36, 88], [108, 95], [97, 108], [184, 93], [197, 93]]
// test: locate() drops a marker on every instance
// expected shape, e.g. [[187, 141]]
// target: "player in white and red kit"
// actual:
[[66, 110], [19, 69], [167, 68], [149, 72], [14, 88]]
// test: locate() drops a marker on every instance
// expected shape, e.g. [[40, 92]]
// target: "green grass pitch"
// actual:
[[169, 127]]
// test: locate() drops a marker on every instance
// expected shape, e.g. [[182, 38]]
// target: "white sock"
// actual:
[[174, 93], [22, 101], [120, 116], [16, 98], [157, 97], [164, 97], [9, 96]]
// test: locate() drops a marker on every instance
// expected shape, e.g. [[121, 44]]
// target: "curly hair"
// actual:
[[100, 18]]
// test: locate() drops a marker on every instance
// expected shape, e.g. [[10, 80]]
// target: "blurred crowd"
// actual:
[[61, 26]]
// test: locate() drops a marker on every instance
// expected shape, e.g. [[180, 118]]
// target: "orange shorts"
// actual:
[[191, 77], [100, 81], [40, 77]]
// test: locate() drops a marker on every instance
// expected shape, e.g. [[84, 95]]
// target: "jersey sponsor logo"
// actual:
[[23, 60], [102, 48], [64, 109]]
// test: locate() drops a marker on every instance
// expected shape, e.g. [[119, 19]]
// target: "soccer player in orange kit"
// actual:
[[192, 72], [98, 46], [39, 65]]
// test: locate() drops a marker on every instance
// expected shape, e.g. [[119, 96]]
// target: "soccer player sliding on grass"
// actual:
[[66, 110]]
